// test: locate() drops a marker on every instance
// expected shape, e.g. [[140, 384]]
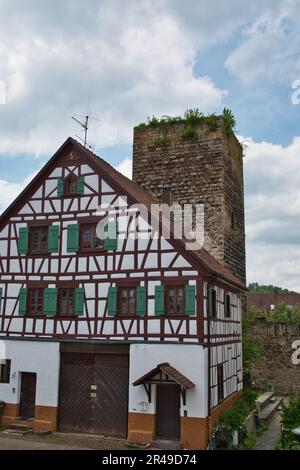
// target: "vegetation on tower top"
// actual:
[[191, 118]]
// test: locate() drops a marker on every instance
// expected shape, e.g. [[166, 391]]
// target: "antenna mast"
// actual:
[[85, 126]]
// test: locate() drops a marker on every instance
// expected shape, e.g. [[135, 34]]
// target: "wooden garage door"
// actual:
[[94, 394]]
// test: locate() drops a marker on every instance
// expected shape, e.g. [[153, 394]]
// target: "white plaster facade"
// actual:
[[37, 357], [190, 360]]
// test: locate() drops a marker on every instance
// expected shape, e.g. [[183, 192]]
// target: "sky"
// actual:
[[136, 58]]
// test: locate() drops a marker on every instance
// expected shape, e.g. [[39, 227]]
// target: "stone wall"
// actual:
[[275, 369], [208, 170]]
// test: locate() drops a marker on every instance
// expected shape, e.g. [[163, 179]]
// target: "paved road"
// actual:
[[270, 438], [10, 443], [59, 441]]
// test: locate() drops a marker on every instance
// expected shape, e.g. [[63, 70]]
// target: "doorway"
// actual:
[[28, 393], [94, 393], [168, 411]]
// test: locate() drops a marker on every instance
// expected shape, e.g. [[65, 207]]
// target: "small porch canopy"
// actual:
[[165, 374]]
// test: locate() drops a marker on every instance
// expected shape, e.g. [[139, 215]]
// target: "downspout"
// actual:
[[212, 281], [209, 284]]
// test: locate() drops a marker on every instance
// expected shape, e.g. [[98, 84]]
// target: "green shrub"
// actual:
[[284, 313], [189, 134], [152, 122], [240, 410], [230, 122], [161, 142], [252, 347], [290, 417], [191, 118], [291, 412]]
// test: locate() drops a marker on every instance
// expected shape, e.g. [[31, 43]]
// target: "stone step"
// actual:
[[263, 400], [166, 444], [269, 410], [19, 427]]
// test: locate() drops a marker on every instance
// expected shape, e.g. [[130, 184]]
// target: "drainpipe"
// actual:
[[209, 284]]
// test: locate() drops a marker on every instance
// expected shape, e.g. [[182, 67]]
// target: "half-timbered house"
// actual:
[[124, 335]]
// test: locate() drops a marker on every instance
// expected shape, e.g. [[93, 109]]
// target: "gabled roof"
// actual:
[[170, 371], [128, 188]]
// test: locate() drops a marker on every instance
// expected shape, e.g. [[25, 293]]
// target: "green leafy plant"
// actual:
[[152, 122], [254, 287], [189, 134], [291, 412], [250, 440], [252, 347], [284, 313], [161, 142], [191, 118], [240, 410], [230, 122], [290, 416]]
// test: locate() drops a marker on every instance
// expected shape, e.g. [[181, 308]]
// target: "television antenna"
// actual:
[[85, 126], [85, 123]]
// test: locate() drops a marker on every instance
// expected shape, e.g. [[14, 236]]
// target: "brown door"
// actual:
[[167, 411], [28, 392], [94, 393], [75, 405], [111, 405]]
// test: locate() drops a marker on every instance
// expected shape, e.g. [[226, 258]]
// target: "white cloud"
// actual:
[[125, 167], [270, 48], [138, 56], [272, 175], [9, 191]]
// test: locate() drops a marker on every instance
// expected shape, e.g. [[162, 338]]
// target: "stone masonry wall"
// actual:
[[275, 368], [208, 171]]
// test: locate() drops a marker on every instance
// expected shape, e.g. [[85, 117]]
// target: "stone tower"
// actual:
[[208, 170]]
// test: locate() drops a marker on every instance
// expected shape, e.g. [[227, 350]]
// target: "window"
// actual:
[[212, 303], [127, 300], [227, 306], [70, 187], [220, 379], [39, 239], [5, 371], [36, 301], [66, 302], [89, 240], [175, 300]]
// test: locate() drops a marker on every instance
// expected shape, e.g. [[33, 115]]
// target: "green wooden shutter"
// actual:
[[22, 301], [0, 298], [60, 187], [53, 239], [190, 300], [112, 301], [80, 186], [72, 238], [141, 301], [159, 300], [79, 302], [50, 302], [111, 236], [23, 241]]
